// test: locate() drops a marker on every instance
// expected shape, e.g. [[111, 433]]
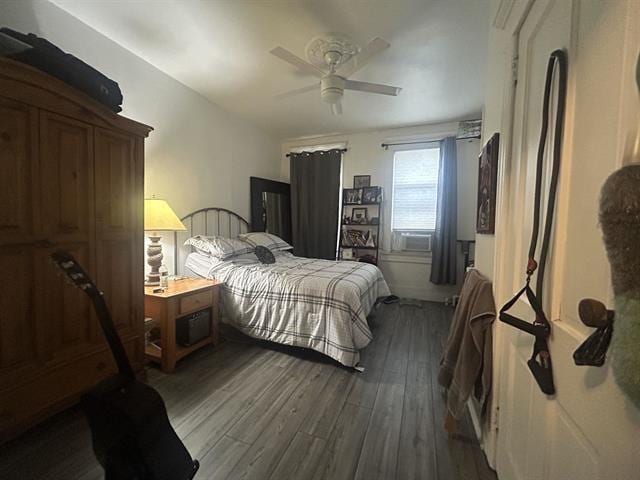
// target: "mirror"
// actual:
[[271, 207], [276, 217]]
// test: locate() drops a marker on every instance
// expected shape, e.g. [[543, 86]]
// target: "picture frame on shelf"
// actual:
[[359, 215], [370, 194], [347, 254], [352, 195], [360, 181]]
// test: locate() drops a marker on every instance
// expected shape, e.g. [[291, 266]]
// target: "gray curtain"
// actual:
[[445, 248], [315, 194]]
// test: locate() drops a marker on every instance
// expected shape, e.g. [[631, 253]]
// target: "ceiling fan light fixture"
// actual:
[[332, 88]]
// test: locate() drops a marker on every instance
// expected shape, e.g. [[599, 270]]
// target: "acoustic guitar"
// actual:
[[132, 436]]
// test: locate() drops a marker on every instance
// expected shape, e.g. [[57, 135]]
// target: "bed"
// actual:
[[304, 302]]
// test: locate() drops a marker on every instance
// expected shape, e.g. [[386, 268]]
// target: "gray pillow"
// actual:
[[264, 255]]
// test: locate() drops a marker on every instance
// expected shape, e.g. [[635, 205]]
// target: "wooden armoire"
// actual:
[[71, 177]]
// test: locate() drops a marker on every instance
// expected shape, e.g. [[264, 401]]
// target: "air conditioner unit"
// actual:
[[413, 242]]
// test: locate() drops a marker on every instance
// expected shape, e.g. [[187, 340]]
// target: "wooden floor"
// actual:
[[254, 410]]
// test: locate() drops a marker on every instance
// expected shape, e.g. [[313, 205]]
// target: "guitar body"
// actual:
[[132, 436]]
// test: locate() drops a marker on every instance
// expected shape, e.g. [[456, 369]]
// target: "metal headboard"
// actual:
[[206, 221]]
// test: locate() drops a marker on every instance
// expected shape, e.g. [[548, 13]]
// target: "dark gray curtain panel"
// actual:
[[315, 194], [445, 248]]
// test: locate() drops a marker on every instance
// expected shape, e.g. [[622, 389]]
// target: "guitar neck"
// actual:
[[113, 339]]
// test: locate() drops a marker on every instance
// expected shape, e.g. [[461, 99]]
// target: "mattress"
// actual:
[[304, 302]]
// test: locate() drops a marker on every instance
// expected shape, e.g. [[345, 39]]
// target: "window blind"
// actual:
[[415, 189]]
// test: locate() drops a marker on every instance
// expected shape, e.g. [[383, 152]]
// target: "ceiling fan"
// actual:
[[333, 59]]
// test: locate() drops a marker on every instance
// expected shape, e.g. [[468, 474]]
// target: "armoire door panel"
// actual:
[[115, 181], [68, 316], [17, 315], [66, 179], [18, 160], [117, 188], [115, 279]]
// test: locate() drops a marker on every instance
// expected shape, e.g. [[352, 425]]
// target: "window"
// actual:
[[415, 189]]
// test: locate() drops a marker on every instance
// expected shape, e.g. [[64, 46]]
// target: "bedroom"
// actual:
[[248, 404]]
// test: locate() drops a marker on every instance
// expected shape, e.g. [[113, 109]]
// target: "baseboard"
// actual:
[[474, 413], [475, 418], [419, 293]]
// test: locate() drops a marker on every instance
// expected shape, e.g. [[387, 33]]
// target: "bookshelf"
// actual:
[[360, 224]]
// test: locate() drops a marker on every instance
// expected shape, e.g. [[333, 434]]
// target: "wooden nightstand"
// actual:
[[181, 298]]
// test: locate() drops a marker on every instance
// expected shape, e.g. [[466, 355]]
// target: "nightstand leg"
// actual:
[[215, 317], [168, 335]]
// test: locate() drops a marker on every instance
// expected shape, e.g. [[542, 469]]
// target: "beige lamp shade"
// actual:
[[159, 216]]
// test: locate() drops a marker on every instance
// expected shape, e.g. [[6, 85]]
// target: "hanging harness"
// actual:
[[540, 361]]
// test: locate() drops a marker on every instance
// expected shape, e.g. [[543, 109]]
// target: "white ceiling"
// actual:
[[220, 49]]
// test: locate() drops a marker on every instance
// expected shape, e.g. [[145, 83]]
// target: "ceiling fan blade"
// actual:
[[302, 65], [291, 93], [374, 47], [371, 87], [336, 108]]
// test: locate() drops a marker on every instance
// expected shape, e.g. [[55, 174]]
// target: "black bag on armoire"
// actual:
[[45, 56]]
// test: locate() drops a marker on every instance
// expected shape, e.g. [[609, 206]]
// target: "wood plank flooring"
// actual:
[[255, 410]]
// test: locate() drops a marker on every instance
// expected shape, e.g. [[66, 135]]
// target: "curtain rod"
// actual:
[[341, 150], [387, 145]]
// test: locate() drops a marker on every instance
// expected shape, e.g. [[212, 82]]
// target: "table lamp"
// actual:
[[158, 216]]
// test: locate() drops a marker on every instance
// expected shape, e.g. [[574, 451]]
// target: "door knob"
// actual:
[[593, 351], [594, 314]]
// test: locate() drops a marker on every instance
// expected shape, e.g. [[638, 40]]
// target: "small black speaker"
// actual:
[[192, 328]]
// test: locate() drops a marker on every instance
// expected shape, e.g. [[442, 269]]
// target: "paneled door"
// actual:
[[117, 222], [588, 430], [66, 191], [21, 345]]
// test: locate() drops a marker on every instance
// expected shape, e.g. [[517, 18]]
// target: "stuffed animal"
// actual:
[[620, 221]]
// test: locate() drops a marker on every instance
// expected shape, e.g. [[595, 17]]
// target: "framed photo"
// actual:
[[352, 195], [359, 215], [370, 194], [347, 254], [360, 181], [487, 185]]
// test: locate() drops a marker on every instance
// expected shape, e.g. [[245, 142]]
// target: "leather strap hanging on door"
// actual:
[[540, 361]]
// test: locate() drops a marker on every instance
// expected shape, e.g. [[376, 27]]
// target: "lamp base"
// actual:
[[154, 260]]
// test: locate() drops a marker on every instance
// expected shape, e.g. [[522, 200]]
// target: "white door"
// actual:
[[588, 430]]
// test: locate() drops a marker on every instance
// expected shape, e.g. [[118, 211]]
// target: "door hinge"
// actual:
[[514, 69]]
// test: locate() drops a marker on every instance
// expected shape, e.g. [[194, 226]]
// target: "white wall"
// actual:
[[498, 74], [407, 275], [198, 155]]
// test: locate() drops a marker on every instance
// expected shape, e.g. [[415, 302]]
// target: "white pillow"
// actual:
[[219, 247], [264, 239]]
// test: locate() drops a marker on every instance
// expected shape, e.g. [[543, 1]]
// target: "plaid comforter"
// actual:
[[311, 303]]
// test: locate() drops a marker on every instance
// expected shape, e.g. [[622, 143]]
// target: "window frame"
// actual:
[[427, 145]]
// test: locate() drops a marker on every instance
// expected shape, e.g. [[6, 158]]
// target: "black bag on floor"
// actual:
[[45, 56]]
